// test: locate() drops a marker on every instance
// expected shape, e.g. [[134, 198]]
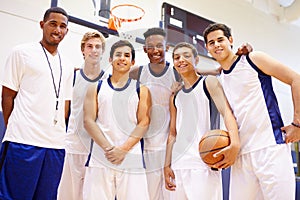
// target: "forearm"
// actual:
[[135, 136], [170, 142], [232, 128], [95, 132], [296, 100]]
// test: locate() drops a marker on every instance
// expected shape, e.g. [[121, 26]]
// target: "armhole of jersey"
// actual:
[[99, 86], [213, 111], [174, 99], [74, 77], [139, 73], [138, 88]]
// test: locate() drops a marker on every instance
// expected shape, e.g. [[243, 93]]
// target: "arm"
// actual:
[[90, 111], [117, 154], [134, 72], [231, 152], [8, 97], [168, 172], [283, 73]]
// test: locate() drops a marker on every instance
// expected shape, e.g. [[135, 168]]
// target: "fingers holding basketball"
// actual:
[[169, 179], [214, 149]]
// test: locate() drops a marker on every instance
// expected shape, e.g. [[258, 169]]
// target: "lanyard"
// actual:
[[53, 81]]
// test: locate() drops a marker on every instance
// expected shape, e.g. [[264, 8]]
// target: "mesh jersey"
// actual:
[[250, 94], [160, 89], [78, 140], [192, 121], [117, 108]]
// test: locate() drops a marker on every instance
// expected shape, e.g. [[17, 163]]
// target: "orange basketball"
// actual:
[[212, 142]]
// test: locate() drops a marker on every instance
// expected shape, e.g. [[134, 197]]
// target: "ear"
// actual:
[[197, 60], [145, 49], [231, 40], [167, 47], [110, 59], [42, 24], [132, 62]]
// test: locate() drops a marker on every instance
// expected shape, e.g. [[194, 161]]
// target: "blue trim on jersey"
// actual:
[[118, 89], [90, 154], [271, 102], [232, 66], [90, 80], [193, 86], [162, 73]]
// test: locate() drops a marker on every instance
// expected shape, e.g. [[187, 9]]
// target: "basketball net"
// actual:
[[124, 14]]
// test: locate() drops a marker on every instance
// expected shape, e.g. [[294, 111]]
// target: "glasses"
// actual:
[[158, 46]]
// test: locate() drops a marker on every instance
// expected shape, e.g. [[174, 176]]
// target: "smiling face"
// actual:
[[122, 59], [54, 29], [155, 47], [93, 50], [184, 60], [218, 45]]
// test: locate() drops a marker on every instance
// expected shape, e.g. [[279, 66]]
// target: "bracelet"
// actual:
[[297, 125]]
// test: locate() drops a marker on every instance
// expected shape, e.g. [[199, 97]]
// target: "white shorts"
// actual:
[[107, 183], [71, 183], [264, 174], [195, 184], [154, 161]]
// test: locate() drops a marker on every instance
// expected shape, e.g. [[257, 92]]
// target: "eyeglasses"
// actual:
[[158, 46]]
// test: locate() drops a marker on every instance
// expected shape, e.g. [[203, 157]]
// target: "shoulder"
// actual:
[[134, 72]]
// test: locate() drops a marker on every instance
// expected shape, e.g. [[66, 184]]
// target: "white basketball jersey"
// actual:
[[252, 99], [160, 89], [117, 118], [78, 140], [192, 121]]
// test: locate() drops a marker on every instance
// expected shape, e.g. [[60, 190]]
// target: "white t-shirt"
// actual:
[[32, 120]]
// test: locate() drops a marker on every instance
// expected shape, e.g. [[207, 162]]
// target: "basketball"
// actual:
[[212, 142]]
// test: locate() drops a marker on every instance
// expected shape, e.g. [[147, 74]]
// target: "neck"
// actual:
[[50, 48], [157, 67], [119, 80], [190, 79], [91, 71], [226, 63]]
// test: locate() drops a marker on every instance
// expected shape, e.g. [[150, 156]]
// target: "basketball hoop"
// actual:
[[124, 13]]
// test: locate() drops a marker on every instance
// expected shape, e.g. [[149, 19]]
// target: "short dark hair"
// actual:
[[155, 31], [214, 27], [55, 10], [122, 43], [188, 45]]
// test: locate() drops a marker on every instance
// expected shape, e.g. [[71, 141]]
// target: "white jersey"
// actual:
[[160, 89], [192, 122], [250, 94], [28, 72], [117, 118], [78, 140]]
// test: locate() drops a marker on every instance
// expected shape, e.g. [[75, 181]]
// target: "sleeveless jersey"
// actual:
[[117, 110], [250, 94], [160, 89], [78, 140], [192, 121]]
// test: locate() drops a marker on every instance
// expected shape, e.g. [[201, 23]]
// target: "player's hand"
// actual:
[[291, 133], [244, 49], [169, 179], [230, 154], [115, 155]]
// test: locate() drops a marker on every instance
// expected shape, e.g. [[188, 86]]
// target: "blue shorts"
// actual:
[[29, 172]]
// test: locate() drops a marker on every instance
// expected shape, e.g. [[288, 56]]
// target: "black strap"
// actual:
[[99, 86]]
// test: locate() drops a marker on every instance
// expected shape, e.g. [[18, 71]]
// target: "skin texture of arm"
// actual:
[[90, 110], [8, 97], [168, 172], [117, 154], [283, 73], [230, 153]]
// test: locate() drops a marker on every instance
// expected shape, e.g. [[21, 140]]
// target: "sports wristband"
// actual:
[[297, 125]]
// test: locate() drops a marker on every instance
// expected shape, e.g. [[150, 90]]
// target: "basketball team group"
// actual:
[[134, 133]]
